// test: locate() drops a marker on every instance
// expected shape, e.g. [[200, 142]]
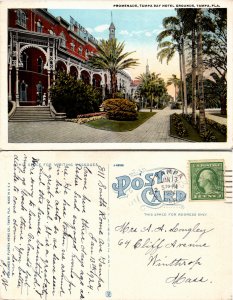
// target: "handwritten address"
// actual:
[[178, 248]]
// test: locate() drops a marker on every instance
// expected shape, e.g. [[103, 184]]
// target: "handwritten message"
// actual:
[[58, 229]]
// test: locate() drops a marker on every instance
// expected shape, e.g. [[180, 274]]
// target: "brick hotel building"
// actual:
[[40, 45]]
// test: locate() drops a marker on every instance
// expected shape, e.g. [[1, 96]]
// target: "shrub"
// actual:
[[188, 118], [179, 126], [120, 109], [220, 127], [175, 105], [208, 136], [74, 96]]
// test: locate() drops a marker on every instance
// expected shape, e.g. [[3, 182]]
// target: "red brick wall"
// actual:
[[47, 24], [31, 76]]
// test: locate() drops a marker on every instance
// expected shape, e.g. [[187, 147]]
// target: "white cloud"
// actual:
[[139, 32], [132, 33], [156, 30], [124, 32], [148, 34], [101, 28]]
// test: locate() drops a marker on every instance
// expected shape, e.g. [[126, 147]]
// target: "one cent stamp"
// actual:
[[207, 180]]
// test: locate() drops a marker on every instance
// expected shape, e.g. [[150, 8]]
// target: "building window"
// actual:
[[21, 18], [39, 26], [72, 45], [80, 50], [51, 31], [86, 53], [63, 40], [23, 91], [40, 65], [25, 61]]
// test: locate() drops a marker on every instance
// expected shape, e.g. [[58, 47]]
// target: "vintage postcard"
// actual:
[[141, 76], [116, 75], [130, 226]]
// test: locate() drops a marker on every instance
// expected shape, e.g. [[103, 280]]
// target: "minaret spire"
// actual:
[[147, 68], [112, 29]]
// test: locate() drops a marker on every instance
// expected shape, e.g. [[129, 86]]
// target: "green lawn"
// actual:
[[120, 126]]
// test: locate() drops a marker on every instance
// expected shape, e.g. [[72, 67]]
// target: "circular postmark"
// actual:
[[167, 188]]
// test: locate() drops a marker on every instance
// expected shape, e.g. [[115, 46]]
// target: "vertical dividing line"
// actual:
[[108, 233]]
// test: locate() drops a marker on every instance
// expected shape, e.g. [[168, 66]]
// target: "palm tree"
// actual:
[[110, 57], [151, 86], [142, 89], [215, 47], [174, 30], [202, 123], [175, 81], [188, 19]]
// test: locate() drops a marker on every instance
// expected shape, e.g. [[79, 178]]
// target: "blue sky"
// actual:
[[137, 28]]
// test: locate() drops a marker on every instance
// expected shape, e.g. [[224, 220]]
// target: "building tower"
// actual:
[[112, 30], [147, 68]]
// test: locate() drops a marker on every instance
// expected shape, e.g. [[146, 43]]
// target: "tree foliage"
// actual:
[[175, 81], [171, 40], [74, 96], [110, 56], [202, 34], [151, 87]]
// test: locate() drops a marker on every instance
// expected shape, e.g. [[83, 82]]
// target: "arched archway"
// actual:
[[34, 49], [85, 76], [32, 70], [74, 72], [61, 66], [96, 81]]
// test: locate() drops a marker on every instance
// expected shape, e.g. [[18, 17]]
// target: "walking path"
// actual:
[[154, 130], [209, 115]]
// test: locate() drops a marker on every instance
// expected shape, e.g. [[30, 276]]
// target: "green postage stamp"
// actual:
[[207, 180]]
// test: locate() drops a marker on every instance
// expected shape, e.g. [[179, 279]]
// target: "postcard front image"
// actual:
[[166, 84]]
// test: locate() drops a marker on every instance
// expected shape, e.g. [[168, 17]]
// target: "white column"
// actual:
[[54, 62], [17, 86], [79, 74], [68, 66], [91, 78], [9, 85], [48, 87], [103, 88], [17, 74]]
